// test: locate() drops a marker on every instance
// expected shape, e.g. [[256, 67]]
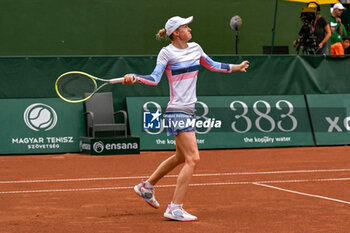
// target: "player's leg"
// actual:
[[166, 166], [146, 189], [187, 144]]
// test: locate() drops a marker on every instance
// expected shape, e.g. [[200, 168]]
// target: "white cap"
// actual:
[[333, 24], [175, 22], [339, 6]]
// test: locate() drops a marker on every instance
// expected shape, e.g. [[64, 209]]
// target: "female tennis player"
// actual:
[[181, 61]]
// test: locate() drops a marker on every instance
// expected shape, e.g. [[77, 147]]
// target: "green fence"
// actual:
[[34, 77]]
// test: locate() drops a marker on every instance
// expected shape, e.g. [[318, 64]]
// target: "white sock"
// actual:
[[172, 205], [148, 185]]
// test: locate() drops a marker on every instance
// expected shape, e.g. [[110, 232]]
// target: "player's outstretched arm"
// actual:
[[152, 79]]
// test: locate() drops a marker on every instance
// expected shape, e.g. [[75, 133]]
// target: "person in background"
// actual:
[[339, 47], [333, 26], [336, 22], [322, 31]]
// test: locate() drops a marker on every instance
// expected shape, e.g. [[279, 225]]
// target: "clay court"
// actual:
[[304, 189]]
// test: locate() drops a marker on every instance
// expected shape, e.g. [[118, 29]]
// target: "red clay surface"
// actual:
[[232, 191]]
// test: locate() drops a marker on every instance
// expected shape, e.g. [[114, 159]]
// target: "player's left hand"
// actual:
[[243, 66]]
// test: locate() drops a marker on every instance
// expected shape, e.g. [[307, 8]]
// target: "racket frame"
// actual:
[[93, 78]]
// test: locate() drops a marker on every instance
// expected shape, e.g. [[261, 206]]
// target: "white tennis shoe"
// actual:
[[178, 214], [147, 194]]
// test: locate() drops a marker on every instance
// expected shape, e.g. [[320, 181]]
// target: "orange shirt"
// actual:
[[337, 49]]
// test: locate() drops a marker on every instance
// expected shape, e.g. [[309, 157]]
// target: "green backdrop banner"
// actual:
[[330, 116], [49, 125], [34, 77], [33, 126], [227, 122]]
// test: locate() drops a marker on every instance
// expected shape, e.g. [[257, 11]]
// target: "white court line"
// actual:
[[172, 176], [173, 185], [300, 193]]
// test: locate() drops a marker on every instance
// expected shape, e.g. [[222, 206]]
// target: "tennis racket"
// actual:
[[77, 87]]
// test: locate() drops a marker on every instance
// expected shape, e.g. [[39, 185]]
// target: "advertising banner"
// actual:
[[330, 116], [226, 122], [43, 125], [110, 146]]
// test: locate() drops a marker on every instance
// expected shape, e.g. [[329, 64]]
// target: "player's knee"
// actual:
[[194, 160]]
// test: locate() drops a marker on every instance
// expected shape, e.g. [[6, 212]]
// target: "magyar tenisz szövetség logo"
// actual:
[[40, 117]]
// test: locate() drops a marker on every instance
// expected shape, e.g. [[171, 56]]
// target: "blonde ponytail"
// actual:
[[161, 34]]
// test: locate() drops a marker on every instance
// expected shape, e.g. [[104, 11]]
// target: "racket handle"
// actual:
[[116, 80], [119, 80]]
